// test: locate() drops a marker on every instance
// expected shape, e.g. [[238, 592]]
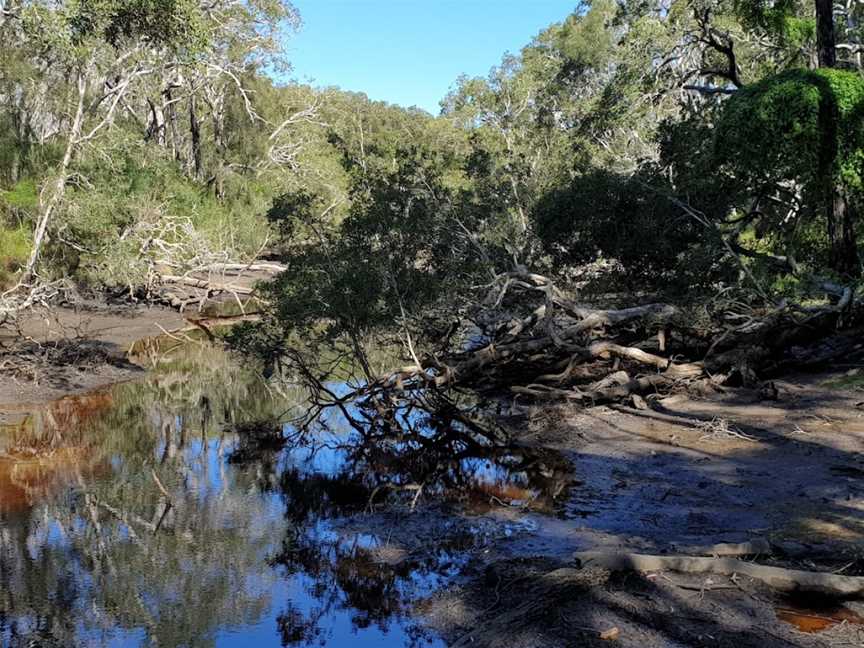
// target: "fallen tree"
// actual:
[[530, 339], [784, 580], [563, 349]]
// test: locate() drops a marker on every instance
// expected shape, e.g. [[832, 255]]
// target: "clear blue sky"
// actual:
[[409, 52]]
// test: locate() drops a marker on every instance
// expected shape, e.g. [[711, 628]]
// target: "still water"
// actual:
[[179, 510]]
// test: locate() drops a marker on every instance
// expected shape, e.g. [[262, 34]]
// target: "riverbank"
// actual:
[[478, 547], [65, 351], [782, 474]]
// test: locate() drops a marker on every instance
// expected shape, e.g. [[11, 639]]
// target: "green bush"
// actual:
[[24, 195], [14, 250], [801, 125], [627, 218]]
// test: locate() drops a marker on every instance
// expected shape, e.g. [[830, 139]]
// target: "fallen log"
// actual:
[[751, 548], [784, 580], [235, 268], [605, 391], [203, 284]]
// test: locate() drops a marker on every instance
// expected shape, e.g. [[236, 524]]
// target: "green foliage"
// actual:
[[801, 125], [604, 215], [22, 196], [291, 209], [399, 248], [174, 23], [791, 22], [687, 153], [584, 39], [79, 30], [14, 250], [567, 152], [16, 207]]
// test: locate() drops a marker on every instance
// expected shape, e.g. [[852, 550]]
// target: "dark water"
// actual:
[[179, 511]]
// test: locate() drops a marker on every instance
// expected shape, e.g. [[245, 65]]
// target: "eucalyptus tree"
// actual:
[[93, 52], [79, 69]]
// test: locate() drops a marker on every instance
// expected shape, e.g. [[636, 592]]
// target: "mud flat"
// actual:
[[785, 476], [63, 351]]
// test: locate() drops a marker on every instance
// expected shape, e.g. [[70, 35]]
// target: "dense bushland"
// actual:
[[649, 195]]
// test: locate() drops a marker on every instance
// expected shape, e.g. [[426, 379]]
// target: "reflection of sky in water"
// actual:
[[60, 533], [327, 454], [244, 556]]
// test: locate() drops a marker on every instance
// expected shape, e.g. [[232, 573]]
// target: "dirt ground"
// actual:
[[74, 350], [730, 468]]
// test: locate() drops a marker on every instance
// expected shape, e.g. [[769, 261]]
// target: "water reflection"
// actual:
[[165, 513]]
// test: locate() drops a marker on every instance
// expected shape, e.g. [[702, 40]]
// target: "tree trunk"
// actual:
[[195, 130], [218, 179], [825, 36], [844, 245], [53, 195], [839, 213], [156, 127], [176, 139]]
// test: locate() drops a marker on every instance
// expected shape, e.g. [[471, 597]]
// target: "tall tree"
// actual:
[[839, 211], [104, 48], [825, 37]]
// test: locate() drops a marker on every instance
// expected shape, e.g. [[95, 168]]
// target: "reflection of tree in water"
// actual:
[[167, 522], [166, 544], [329, 477], [342, 577]]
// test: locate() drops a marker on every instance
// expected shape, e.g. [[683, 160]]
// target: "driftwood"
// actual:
[[566, 350], [784, 580], [244, 268], [213, 286], [530, 339], [752, 548], [236, 281]]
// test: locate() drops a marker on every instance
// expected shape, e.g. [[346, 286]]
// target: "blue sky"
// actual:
[[409, 52]]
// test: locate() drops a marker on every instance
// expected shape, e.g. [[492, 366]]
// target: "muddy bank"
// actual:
[[65, 351], [728, 469]]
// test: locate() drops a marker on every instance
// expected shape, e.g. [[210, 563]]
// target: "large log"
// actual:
[[204, 284], [784, 580]]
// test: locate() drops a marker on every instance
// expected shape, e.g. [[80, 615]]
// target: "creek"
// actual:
[[180, 509]]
